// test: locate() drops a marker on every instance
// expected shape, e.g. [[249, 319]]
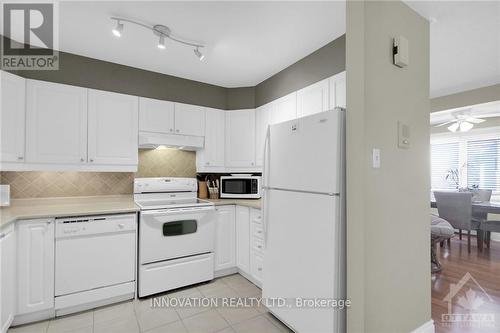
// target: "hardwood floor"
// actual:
[[476, 306]]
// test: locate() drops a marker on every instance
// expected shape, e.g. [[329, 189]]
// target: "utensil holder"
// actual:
[[213, 192], [203, 190]]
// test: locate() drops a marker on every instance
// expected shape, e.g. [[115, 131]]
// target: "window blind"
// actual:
[[444, 156], [483, 164]]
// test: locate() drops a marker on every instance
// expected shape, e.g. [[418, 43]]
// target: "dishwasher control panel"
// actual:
[[90, 225]]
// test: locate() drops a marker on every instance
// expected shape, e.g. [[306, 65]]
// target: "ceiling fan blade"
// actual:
[[444, 124], [475, 120]]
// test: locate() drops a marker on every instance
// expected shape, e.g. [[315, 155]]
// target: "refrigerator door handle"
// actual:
[[265, 177]]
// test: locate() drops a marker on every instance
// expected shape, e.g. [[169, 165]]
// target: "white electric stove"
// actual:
[[176, 234]]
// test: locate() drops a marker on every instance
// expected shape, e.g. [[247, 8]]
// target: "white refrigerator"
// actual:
[[303, 212]]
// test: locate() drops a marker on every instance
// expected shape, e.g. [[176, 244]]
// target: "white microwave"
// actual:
[[240, 186]]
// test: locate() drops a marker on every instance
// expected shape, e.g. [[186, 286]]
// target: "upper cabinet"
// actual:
[[338, 90], [56, 123], [12, 117], [240, 138], [284, 108], [156, 115], [113, 128], [211, 157], [262, 120], [313, 99], [189, 119]]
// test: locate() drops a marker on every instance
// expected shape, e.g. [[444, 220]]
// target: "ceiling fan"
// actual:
[[462, 121]]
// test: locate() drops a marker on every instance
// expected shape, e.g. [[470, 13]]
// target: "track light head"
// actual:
[[117, 31], [200, 55], [161, 43]]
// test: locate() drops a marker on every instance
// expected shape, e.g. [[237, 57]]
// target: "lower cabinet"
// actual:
[[7, 277], [35, 266], [243, 238], [225, 238]]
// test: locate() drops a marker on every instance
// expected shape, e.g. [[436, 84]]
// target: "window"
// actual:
[[444, 156], [476, 157], [483, 164]]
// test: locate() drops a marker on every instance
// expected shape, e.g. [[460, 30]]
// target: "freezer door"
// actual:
[[304, 154], [302, 258]]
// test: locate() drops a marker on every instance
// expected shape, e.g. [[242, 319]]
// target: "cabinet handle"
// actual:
[[82, 159], [259, 269], [2, 235], [91, 160], [259, 246], [177, 131], [20, 158], [259, 232], [207, 163], [171, 130], [121, 225], [252, 163]]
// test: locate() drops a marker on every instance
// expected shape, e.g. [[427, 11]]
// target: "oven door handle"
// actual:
[[176, 211]]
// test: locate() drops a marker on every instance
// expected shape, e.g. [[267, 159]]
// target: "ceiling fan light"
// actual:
[[453, 127], [117, 31], [465, 126]]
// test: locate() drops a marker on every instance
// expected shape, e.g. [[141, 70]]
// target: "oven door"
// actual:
[[173, 233]]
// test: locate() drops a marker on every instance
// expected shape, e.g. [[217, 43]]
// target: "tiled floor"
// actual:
[[139, 316]]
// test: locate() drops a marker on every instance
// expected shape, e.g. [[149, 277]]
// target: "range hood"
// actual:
[[149, 140]]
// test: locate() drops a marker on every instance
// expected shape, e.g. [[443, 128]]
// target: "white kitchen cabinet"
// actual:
[[338, 90], [240, 138], [12, 117], [284, 108], [211, 157], [256, 245], [56, 123], [156, 115], [243, 238], [225, 238], [112, 128], [35, 265], [189, 119], [262, 122], [313, 99], [7, 277]]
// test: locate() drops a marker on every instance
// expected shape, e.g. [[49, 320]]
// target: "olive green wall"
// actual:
[[98, 74], [466, 98], [388, 249], [322, 63]]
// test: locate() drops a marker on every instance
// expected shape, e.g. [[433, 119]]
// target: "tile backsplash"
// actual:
[[152, 163]]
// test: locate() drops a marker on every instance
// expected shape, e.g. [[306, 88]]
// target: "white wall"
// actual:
[[388, 242]]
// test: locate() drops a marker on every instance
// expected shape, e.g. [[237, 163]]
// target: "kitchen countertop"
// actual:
[[252, 203], [70, 206]]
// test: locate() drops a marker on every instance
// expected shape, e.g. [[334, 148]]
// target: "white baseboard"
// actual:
[[428, 327]]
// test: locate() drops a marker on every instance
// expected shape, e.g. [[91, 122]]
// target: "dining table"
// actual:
[[490, 207]]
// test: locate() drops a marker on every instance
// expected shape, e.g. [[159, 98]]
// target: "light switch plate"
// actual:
[[376, 158], [403, 135]]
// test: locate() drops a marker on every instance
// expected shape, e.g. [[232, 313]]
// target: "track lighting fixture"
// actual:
[[161, 31], [161, 43], [200, 55], [117, 31]]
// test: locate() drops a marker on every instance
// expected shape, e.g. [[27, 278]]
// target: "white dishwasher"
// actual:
[[95, 261]]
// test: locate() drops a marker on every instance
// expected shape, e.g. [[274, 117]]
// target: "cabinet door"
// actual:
[[212, 154], [262, 121], [56, 123], [156, 115], [284, 108], [243, 238], [7, 277], [113, 128], [225, 238], [240, 138], [338, 90], [35, 251], [189, 119], [12, 117], [313, 99]]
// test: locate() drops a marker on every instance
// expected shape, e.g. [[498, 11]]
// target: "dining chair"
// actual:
[[456, 208], [482, 195]]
